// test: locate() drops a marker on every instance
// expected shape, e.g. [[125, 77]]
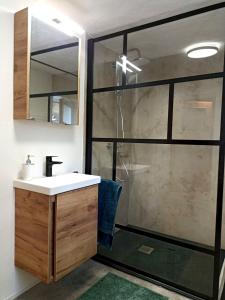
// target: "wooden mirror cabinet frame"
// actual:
[[22, 32]]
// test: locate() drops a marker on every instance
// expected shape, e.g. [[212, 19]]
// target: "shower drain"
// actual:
[[145, 249]]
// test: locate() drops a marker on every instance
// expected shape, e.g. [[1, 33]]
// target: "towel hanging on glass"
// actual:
[[109, 194]]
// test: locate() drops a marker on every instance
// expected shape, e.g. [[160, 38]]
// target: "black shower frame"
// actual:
[[214, 251]]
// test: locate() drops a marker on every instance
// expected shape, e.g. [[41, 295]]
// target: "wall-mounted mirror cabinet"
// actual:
[[46, 76]]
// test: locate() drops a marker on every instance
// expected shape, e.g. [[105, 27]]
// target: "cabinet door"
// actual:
[[75, 229], [33, 233]]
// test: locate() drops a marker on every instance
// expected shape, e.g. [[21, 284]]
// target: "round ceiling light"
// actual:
[[203, 51]]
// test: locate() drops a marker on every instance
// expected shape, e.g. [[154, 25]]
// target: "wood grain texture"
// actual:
[[21, 64], [33, 233], [75, 229]]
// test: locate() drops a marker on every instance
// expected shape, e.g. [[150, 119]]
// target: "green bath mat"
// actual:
[[112, 287]]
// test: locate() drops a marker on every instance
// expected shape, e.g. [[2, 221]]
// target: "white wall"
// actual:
[[18, 138]]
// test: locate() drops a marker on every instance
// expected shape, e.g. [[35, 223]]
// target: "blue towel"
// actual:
[[109, 194]]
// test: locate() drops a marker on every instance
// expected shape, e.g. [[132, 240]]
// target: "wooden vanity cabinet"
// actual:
[[55, 234]]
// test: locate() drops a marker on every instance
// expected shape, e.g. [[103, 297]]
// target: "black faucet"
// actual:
[[49, 164]]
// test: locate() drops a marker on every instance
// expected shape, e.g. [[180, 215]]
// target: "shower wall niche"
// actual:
[[156, 125]]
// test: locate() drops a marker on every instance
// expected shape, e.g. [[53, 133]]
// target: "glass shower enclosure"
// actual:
[[156, 124]]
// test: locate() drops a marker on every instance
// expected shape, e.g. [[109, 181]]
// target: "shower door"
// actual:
[[155, 123]]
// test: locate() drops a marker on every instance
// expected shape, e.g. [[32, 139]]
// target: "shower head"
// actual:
[[140, 61], [134, 61], [136, 58]]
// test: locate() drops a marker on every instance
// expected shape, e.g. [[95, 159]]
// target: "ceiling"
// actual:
[[99, 17]]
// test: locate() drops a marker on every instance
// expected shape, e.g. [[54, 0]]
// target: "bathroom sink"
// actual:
[[57, 184]]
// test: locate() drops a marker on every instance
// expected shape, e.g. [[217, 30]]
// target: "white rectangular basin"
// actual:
[[57, 184]]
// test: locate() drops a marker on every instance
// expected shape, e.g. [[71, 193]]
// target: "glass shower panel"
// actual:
[[148, 111], [135, 113], [197, 110], [173, 189], [122, 176], [160, 52], [107, 71], [104, 115], [102, 159], [178, 265]]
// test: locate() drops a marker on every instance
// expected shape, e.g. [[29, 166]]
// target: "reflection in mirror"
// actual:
[[62, 110], [56, 109], [53, 75]]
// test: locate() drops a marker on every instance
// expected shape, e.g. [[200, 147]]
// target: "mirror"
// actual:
[[54, 75]]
